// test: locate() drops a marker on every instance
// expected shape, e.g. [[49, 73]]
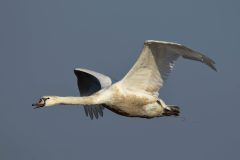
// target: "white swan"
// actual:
[[136, 95]]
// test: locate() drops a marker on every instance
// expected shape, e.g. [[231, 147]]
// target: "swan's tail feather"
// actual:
[[174, 111]]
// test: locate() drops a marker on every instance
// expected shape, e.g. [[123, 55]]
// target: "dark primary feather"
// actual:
[[204, 59], [90, 82], [186, 52]]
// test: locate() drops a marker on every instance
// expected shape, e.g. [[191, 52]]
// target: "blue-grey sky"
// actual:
[[42, 41]]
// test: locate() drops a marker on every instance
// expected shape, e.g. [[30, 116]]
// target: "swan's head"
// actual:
[[46, 101]]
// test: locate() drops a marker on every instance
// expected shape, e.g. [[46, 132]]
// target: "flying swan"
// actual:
[[136, 95]]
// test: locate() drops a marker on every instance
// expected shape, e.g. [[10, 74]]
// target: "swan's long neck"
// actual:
[[77, 100], [88, 100], [97, 98]]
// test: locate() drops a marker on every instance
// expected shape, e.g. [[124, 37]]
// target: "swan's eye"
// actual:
[[43, 100]]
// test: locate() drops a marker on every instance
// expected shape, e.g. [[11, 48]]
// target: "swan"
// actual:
[[137, 94]]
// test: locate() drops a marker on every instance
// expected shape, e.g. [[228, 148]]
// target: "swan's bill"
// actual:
[[40, 103]]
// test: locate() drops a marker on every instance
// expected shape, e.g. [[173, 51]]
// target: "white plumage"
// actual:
[[136, 95]]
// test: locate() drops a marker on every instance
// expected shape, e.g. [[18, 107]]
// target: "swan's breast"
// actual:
[[125, 97], [128, 102]]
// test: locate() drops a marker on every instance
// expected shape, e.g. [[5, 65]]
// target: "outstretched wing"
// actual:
[[155, 62], [90, 82]]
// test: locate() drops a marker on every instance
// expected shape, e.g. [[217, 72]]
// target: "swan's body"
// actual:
[[136, 95]]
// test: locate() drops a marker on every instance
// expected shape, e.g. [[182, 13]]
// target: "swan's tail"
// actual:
[[174, 111]]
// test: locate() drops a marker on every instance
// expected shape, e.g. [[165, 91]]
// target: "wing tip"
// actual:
[[77, 69], [209, 62], [80, 69], [94, 111]]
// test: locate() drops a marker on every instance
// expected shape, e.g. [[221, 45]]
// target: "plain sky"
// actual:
[[42, 41]]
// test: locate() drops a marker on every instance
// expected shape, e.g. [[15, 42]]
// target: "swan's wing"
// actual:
[[155, 62], [90, 82]]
